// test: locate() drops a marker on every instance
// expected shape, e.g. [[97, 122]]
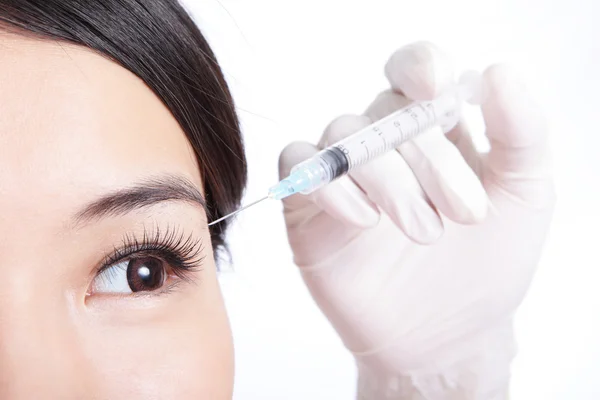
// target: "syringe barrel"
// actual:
[[399, 127], [369, 143]]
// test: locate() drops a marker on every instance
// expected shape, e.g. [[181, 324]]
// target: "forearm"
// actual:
[[482, 372]]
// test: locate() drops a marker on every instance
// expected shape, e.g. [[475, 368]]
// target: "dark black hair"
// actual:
[[159, 42]]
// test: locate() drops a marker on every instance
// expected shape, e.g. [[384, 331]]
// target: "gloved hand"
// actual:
[[420, 258]]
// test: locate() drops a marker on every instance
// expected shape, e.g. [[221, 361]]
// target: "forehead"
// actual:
[[75, 125]]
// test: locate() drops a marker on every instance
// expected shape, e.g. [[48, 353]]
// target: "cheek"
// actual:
[[183, 351]]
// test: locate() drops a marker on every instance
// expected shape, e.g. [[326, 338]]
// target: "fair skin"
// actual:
[[77, 128]]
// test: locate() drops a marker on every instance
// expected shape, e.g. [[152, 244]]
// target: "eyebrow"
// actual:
[[146, 193]]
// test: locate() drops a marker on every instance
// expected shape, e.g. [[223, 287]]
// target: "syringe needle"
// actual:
[[238, 211]]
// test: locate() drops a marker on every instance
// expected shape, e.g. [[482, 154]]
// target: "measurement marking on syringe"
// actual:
[[393, 130], [431, 109], [385, 143], [399, 127]]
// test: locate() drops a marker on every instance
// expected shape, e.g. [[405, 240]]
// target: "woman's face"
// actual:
[[109, 286]]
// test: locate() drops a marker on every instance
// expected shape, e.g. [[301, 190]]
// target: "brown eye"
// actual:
[[145, 274]]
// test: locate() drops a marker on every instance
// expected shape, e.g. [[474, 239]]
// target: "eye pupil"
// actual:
[[145, 274]]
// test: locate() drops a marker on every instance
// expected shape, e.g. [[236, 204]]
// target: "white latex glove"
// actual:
[[420, 258]]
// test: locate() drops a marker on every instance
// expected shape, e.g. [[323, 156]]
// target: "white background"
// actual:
[[294, 66]]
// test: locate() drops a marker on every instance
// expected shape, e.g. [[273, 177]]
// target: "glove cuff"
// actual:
[[482, 374]]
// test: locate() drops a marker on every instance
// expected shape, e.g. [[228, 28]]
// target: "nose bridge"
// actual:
[[37, 341]]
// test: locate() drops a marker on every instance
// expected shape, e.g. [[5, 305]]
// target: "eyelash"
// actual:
[[183, 254]]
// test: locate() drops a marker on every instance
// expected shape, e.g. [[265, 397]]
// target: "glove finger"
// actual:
[[519, 159], [342, 199], [420, 71], [389, 182], [446, 178], [461, 138], [448, 174], [440, 168], [385, 103]]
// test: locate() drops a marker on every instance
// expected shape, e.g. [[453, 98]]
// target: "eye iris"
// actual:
[[145, 274]]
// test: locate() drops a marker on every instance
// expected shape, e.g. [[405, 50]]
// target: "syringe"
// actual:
[[375, 140]]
